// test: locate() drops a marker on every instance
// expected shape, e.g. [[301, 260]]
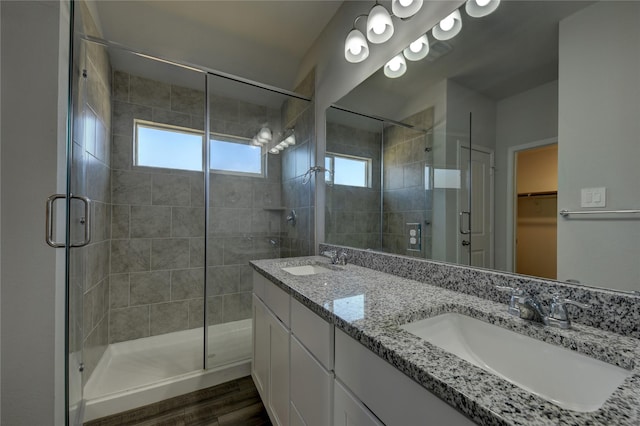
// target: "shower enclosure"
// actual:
[[159, 300]]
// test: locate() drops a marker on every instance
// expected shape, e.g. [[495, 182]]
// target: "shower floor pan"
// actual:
[[144, 371]]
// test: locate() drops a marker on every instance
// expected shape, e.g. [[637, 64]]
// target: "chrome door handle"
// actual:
[[460, 224], [49, 220]]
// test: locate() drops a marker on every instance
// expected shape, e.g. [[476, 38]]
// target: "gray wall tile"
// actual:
[[118, 290], [170, 253], [187, 283], [169, 317], [150, 221], [144, 91], [128, 323], [187, 221], [172, 190], [130, 255], [122, 152], [131, 187], [236, 306], [120, 86], [124, 114], [150, 287], [170, 117], [120, 216], [188, 101]]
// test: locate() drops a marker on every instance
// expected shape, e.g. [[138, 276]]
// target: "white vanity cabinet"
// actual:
[[309, 373], [348, 410], [271, 348], [311, 366], [393, 397]]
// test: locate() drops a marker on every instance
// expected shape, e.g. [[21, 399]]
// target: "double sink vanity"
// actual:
[[385, 339]]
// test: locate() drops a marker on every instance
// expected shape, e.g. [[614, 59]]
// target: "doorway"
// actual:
[[536, 205]]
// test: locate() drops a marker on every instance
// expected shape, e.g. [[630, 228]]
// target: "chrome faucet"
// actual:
[[529, 308], [336, 258]]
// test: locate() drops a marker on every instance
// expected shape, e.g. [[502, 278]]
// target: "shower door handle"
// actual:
[[86, 220], [461, 220]]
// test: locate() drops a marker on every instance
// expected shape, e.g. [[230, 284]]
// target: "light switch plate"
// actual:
[[593, 197]]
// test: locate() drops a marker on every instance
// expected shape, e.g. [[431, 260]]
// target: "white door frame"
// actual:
[[492, 164], [511, 195]]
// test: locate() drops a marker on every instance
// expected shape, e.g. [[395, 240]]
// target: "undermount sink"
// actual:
[[566, 378], [306, 269]]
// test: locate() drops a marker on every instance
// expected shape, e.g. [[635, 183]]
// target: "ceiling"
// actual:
[[263, 41]]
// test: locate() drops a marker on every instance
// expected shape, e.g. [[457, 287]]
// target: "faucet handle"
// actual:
[[516, 295], [558, 309]]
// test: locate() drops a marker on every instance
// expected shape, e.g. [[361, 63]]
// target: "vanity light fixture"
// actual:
[[356, 48], [288, 139], [417, 50], [449, 27], [264, 136], [379, 25], [406, 8], [480, 8], [396, 67]]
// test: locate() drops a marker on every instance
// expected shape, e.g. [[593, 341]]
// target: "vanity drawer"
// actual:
[[313, 332], [278, 301]]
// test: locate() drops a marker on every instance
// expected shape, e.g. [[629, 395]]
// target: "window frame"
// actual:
[[331, 156], [213, 136]]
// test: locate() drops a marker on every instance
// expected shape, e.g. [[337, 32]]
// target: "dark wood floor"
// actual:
[[235, 403]]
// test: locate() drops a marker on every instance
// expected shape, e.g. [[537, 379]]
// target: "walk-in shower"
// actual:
[[174, 220]]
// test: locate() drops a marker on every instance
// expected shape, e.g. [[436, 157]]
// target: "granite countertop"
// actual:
[[370, 306]]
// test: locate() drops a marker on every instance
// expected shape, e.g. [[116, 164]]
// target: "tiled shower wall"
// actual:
[[91, 162], [406, 153], [157, 248], [299, 239], [352, 215]]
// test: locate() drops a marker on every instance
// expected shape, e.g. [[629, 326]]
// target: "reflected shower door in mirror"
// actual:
[[530, 75], [395, 187]]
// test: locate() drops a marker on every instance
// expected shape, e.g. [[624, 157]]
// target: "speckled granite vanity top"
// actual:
[[370, 306]]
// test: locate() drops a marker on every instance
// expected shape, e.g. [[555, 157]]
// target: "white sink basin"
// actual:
[[306, 270], [566, 378]]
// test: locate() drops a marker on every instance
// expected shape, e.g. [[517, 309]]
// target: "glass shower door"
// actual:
[[251, 192]]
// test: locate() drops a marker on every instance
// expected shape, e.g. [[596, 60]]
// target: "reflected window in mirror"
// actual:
[[348, 170]]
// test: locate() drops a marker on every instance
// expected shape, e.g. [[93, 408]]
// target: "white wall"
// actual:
[[599, 128], [520, 119], [451, 130], [32, 299]]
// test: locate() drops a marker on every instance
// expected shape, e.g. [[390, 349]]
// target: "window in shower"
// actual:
[[169, 147], [348, 170], [233, 155], [173, 147]]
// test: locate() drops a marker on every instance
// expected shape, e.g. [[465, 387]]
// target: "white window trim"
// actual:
[[368, 169]]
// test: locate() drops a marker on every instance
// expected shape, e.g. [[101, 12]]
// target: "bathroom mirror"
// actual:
[[545, 98]]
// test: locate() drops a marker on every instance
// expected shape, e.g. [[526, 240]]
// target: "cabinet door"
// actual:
[[348, 411], [278, 371], [260, 359], [310, 386]]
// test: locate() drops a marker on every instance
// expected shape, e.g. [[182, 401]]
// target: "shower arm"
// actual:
[[314, 169]]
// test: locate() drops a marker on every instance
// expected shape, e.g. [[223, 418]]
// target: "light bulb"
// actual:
[[416, 46], [394, 64], [405, 3], [378, 27], [482, 3], [355, 49], [447, 23]]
